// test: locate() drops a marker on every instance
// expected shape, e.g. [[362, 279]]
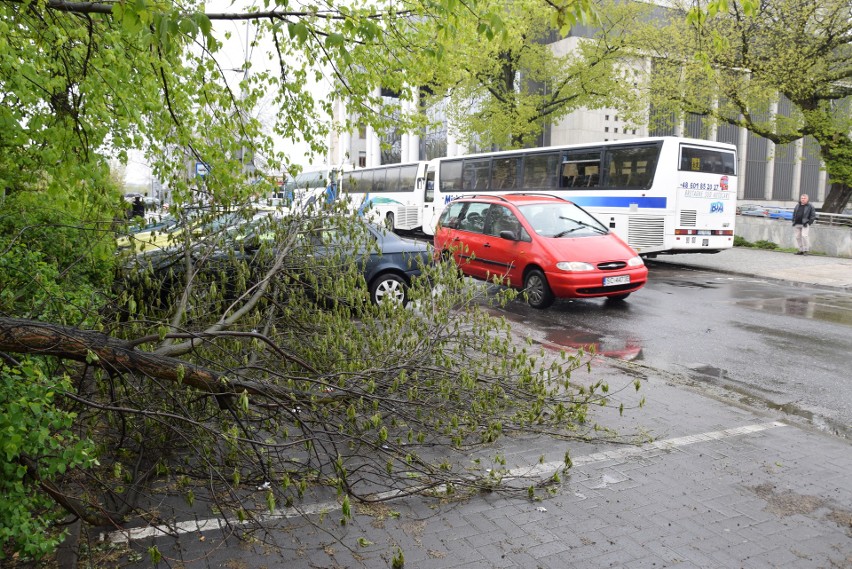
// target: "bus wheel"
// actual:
[[537, 290], [390, 222]]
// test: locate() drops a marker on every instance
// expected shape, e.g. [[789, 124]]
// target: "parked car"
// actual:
[[780, 213], [770, 212], [546, 246], [163, 232], [389, 263], [147, 235], [745, 208], [754, 211]]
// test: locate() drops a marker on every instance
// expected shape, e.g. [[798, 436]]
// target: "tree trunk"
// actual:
[[46, 339], [837, 198]]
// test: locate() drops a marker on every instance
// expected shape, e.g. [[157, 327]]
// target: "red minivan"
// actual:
[[544, 245]]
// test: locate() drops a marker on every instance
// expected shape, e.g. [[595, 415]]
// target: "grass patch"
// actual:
[[762, 244]]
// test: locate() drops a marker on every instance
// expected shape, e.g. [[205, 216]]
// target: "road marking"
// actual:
[[549, 468], [546, 469]]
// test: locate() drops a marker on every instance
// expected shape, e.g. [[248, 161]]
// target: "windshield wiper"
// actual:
[[567, 231], [581, 224]]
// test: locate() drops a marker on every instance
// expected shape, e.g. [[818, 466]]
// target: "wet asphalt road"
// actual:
[[764, 343]]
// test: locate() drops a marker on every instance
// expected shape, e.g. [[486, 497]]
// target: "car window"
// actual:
[[473, 217], [500, 218], [452, 215]]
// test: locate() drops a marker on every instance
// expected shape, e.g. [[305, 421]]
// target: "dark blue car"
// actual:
[[389, 263]]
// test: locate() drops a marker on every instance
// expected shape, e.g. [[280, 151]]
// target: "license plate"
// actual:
[[623, 279]]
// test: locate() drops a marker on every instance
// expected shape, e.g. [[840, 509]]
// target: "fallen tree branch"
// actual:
[[39, 338]]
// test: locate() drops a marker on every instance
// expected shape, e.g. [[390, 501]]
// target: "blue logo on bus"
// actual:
[[717, 207]]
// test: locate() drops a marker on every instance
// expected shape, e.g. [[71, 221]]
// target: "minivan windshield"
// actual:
[[561, 220]]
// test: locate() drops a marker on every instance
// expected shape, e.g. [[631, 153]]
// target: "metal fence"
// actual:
[[834, 219]]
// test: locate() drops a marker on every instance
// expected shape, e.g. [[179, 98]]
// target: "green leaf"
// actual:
[[346, 507]]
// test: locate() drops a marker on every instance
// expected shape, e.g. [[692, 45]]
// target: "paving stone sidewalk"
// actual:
[[722, 487], [811, 270]]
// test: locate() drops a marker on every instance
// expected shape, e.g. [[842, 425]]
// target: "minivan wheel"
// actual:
[[537, 290], [389, 288]]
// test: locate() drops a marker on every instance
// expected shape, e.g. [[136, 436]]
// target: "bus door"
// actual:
[[430, 211]]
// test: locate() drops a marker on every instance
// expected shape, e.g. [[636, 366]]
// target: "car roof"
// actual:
[[517, 199]]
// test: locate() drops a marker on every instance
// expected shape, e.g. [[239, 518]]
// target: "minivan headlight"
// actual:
[[635, 262], [574, 266]]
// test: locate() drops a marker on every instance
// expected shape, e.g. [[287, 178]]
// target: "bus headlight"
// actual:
[[635, 262], [574, 266]]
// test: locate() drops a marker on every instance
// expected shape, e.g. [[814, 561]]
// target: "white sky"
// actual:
[[231, 56]]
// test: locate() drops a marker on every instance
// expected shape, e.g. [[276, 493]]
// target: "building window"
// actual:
[[615, 130], [616, 118], [606, 117], [606, 129]]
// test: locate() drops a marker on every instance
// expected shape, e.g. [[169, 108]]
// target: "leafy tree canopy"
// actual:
[[231, 357], [502, 93], [736, 61]]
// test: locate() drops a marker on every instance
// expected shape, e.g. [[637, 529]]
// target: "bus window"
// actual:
[[379, 184], [629, 166], [476, 174], [451, 176], [707, 160], [407, 176], [365, 184], [581, 169], [504, 173], [540, 170]]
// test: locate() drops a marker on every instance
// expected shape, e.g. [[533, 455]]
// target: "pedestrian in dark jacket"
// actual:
[[138, 207], [804, 216]]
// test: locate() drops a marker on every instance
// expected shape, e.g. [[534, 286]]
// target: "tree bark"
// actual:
[[837, 198], [33, 337]]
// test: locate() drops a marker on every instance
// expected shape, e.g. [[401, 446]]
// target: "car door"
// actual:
[[501, 256], [446, 238], [472, 240]]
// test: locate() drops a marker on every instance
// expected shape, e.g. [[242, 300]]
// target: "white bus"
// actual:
[[660, 195], [391, 194], [308, 189]]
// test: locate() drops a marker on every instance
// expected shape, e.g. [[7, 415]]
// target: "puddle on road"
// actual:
[[620, 348], [826, 308]]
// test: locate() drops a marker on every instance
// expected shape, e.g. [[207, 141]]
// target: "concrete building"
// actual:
[[768, 174]]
